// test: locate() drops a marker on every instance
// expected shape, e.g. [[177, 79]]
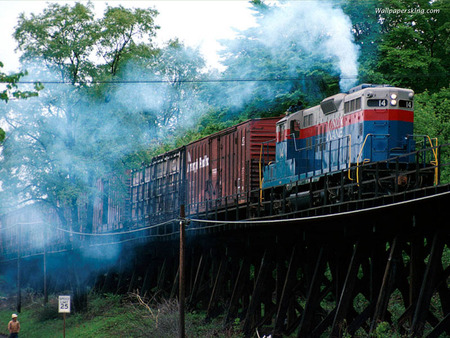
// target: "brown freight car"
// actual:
[[110, 204], [157, 189], [223, 168], [212, 174]]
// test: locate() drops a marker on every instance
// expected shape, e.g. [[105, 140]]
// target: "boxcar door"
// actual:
[[214, 183]]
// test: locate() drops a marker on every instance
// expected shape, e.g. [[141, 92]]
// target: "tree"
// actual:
[[403, 43], [59, 145], [11, 90], [120, 31], [63, 37], [432, 114], [181, 69]]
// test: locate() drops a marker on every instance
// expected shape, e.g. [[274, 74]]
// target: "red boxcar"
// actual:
[[221, 169]]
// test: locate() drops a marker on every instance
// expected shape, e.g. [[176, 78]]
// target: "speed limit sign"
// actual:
[[64, 304]]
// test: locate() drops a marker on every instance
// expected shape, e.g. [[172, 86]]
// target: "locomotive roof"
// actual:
[[367, 85], [338, 98]]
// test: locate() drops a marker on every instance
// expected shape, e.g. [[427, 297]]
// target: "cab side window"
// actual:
[[295, 128]]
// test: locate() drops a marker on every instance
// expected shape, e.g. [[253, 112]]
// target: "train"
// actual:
[[245, 166], [352, 145]]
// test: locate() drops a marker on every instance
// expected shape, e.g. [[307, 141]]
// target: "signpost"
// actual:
[[182, 333], [64, 307]]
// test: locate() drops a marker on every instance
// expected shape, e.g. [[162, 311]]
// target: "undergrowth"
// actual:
[[109, 315]]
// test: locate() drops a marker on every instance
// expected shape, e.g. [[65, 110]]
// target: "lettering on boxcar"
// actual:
[[198, 164]]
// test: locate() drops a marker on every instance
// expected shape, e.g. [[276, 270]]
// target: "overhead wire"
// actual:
[[223, 80], [219, 80], [178, 81]]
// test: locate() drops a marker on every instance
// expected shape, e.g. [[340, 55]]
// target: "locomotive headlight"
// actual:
[[393, 102], [393, 96]]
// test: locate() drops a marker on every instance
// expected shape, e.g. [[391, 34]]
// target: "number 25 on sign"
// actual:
[[64, 304]]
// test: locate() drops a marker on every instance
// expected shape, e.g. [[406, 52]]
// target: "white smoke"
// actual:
[[319, 28]]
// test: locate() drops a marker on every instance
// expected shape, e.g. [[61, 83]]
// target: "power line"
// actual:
[[178, 81], [277, 79]]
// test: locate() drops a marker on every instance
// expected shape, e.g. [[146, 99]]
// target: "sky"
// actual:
[[196, 23]]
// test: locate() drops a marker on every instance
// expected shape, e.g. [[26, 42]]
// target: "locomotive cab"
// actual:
[[287, 135]]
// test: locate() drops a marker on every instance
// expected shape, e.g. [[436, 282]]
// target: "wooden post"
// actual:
[[385, 290], [181, 280], [45, 266], [19, 291]]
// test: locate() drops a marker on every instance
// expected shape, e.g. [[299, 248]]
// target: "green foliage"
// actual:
[[12, 89], [121, 28], [383, 330], [432, 117], [62, 35], [114, 316], [432, 114], [66, 37], [402, 43], [59, 145]]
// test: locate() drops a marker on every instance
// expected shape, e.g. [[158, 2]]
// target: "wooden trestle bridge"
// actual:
[[329, 275], [322, 274]]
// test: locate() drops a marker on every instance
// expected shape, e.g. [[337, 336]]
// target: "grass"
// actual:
[[111, 316]]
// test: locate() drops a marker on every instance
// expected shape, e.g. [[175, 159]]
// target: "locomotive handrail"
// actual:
[[349, 156], [297, 149], [434, 150]]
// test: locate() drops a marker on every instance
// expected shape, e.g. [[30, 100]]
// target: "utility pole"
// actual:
[[45, 264], [19, 291], [181, 300]]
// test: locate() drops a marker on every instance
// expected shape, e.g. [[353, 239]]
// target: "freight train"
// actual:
[[351, 146]]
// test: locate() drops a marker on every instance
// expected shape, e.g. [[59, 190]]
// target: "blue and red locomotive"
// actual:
[[370, 123]]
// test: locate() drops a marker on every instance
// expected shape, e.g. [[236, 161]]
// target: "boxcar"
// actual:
[[156, 190], [222, 169], [111, 212]]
